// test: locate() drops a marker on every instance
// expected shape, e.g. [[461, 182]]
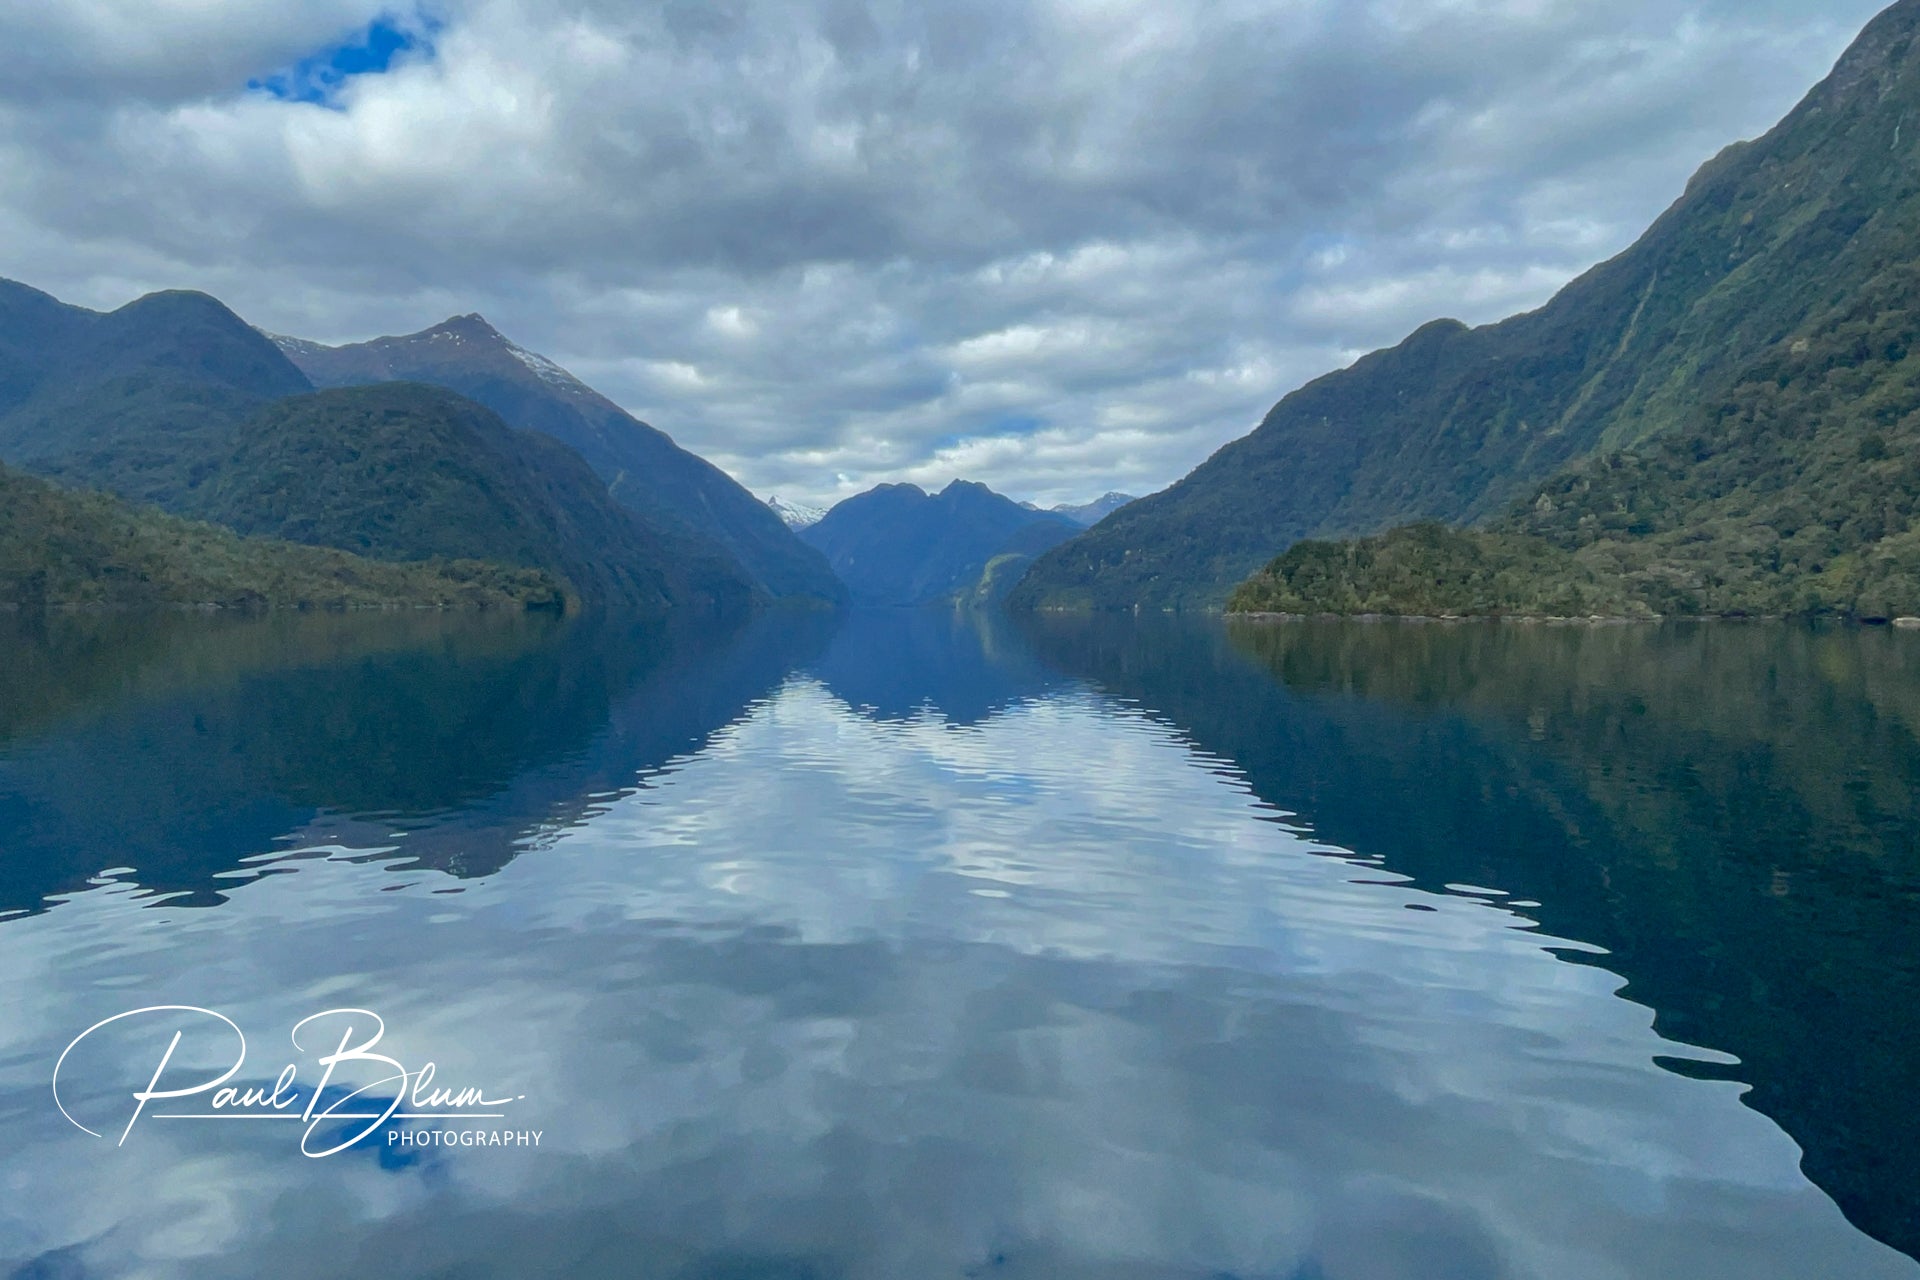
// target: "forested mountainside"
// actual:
[[672, 489], [65, 548], [174, 400], [400, 471], [1771, 243]]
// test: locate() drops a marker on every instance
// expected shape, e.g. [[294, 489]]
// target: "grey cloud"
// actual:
[[834, 243], [161, 51]]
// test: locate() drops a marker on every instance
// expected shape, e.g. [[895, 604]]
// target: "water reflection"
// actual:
[[177, 750], [964, 666], [1730, 812], [966, 966]]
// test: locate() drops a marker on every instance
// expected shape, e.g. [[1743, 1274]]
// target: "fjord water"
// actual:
[[910, 944]]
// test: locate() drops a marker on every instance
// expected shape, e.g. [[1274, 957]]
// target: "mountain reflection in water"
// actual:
[[912, 943]]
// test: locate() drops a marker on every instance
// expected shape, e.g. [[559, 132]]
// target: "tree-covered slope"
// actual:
[[644, 469], [176, 401], [1797, 491], [400, 471], [1430, 570], [34, 328], [1454, 423], [136, 400], [898, 545], [59, 547]]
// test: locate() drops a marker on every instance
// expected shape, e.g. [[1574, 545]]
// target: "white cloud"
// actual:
[[833, 238]]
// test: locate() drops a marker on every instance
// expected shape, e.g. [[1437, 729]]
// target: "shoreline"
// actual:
[[1545, 620]]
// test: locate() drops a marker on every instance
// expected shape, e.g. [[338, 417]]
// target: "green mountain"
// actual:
[[400, 471], [59, 547], [136, 400], [1795, 492], [176, 401], [1770, 242], [646, 471], [899, 545]]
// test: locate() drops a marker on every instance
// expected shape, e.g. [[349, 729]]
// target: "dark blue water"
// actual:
[[909, 945]]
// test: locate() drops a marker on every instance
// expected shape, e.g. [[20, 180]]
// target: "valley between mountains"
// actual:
[[1722, 421]]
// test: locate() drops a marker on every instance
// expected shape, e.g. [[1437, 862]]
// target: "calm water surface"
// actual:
[[904, 946]]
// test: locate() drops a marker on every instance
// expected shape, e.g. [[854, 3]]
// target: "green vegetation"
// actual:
[[675, 491], [176, 401], [139, 401], [998, 578], [61, 548], [1455, 424], [1797, 492], [1727, 811], [1429, 570], [399, 471]]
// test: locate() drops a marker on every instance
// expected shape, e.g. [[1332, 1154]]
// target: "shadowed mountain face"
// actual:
[[174, 400], [1456, 423], [1728, 811], [400, 471], [136, 400], [643, 468], [898, 545]]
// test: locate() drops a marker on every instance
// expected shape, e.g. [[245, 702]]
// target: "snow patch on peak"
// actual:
[[292, 346], [544, 369], [798, 515]]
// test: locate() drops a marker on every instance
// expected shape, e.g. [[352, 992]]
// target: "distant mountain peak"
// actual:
[[469, 337], [641, 466], [797, 515], [896, 544], [293, 347], [472, 324], [476, 328], [1092, 513]]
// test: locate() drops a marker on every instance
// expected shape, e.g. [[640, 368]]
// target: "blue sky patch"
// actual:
[[318, 77], [1015, 425]]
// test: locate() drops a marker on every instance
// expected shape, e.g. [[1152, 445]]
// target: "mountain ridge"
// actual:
[[409, 472], [1454, 423], [1088, 514], [671, 488], [1797, 492], [175, 401], [896, 544], [134, 400]]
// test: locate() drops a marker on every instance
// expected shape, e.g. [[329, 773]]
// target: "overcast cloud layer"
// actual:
[[1060, 247]]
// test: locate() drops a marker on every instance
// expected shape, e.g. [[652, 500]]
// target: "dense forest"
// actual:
[[1796, 492], [61, 548], [670, 489], [1756, 333], [174, 401]]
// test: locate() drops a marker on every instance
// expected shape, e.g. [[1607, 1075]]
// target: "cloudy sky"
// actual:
[[1062, 246]]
